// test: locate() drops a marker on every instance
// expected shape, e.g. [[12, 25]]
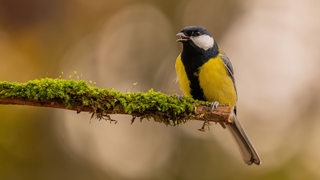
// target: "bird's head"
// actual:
[[196, 36]]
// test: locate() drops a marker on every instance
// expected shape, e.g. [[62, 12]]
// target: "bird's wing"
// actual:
[[228, 65]]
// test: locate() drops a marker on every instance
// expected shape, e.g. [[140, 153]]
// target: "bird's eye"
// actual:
[[196, 33]]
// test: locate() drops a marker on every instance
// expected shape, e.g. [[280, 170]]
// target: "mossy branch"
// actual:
[[80, 96]]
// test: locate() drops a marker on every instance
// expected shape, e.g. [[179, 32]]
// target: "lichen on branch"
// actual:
[[101, 102]]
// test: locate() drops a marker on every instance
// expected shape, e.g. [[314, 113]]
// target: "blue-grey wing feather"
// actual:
[[229, 68]]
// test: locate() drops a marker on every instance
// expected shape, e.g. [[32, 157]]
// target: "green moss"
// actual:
[[169, 109]]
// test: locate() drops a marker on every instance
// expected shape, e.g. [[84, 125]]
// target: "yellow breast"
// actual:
[[216, 83]]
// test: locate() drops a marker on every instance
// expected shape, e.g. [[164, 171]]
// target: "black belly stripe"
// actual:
[[196, 90], [192, 60]]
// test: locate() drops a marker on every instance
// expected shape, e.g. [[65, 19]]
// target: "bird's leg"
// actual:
[[214, 105]]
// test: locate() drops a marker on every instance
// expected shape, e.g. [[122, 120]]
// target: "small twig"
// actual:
[[133, 118]]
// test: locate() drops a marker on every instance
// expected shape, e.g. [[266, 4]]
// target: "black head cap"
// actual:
[[194, 31]]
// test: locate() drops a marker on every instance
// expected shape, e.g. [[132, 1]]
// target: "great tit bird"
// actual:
[[204, 72]]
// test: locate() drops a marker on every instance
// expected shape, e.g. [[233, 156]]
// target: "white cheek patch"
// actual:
[[204, 41]]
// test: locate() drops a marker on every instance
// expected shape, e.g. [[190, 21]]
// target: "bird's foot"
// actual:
[[214, 105]]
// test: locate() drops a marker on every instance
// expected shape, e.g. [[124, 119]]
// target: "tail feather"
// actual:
[[248, 152]]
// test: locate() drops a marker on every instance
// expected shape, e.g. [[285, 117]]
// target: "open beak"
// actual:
[[182, 37]]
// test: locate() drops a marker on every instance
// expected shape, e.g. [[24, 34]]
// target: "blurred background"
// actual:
[[274, 49]]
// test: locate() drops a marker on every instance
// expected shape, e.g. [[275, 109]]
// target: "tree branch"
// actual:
[[80, 96]]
